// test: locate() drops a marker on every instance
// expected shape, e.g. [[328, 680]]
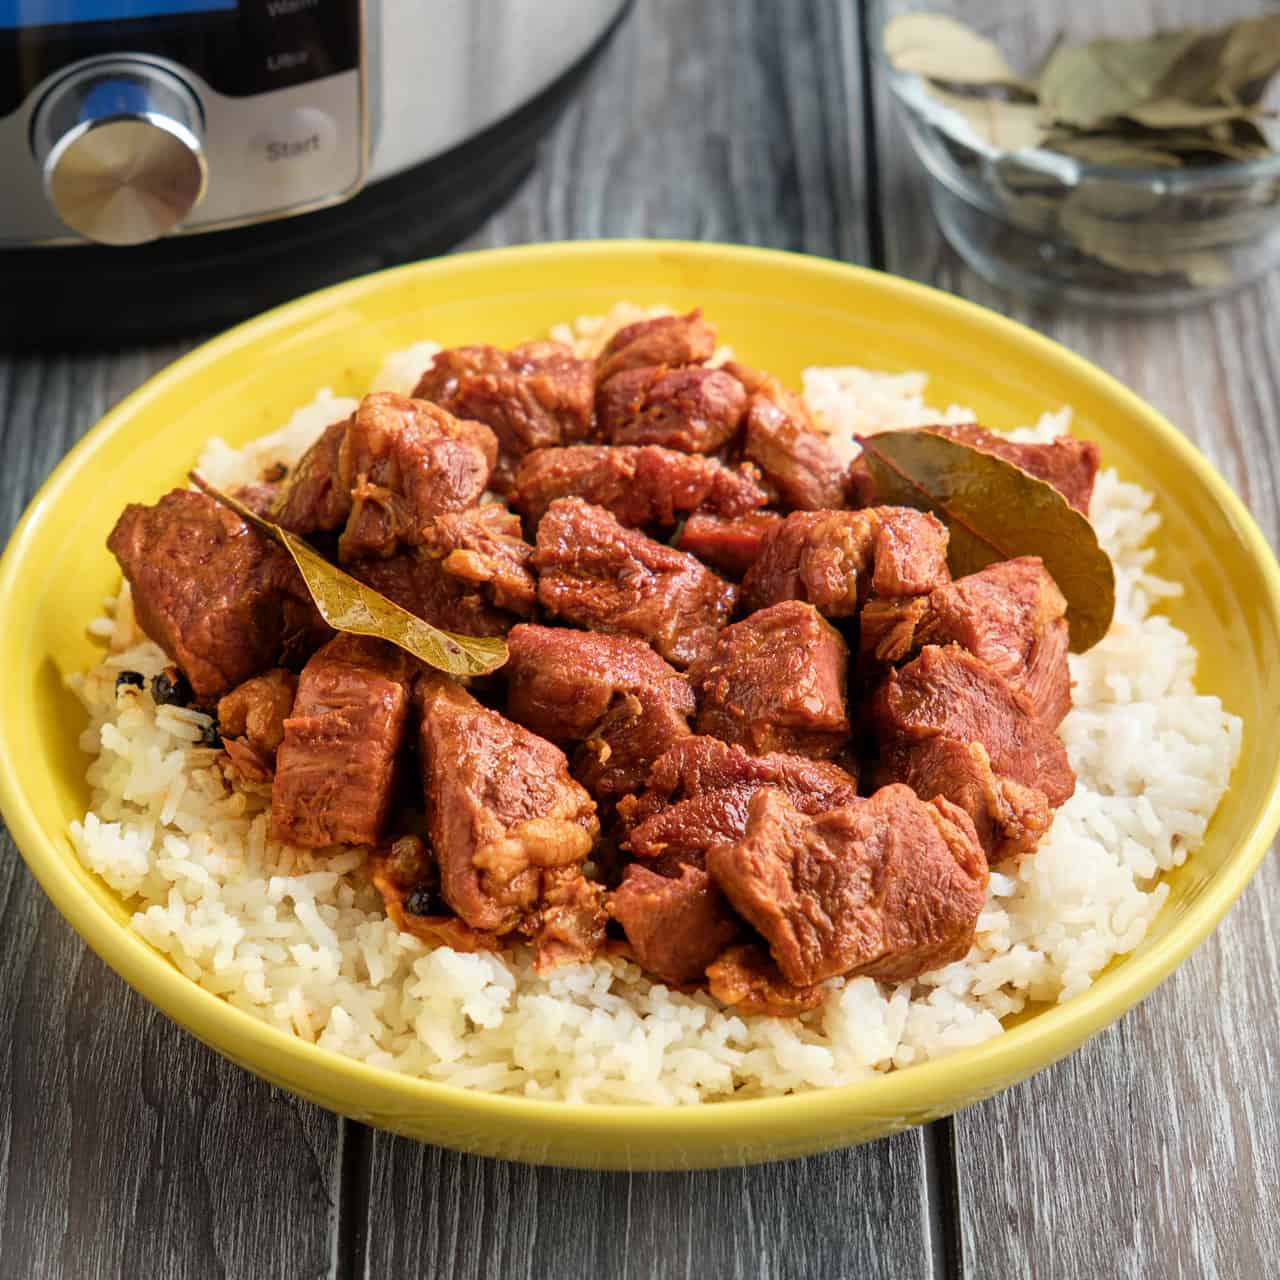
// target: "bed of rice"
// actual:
[[300, 940]]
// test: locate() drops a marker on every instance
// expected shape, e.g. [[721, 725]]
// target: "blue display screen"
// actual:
[[20, 14]]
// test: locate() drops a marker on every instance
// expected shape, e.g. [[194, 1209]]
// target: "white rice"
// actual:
[[300, 941]]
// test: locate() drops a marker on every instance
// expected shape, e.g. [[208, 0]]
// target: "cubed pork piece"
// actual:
[[406, 462], [694, 410], [728, 544], [676, 926], [384, 473], [641, 486], [889, 887], [336, 769], [1008, 817], [216, 595], [948, 692], [887, 631], [926, 715], [470, 574], [314, 498], [776, 682], [836, 559], [779, 437], [746, 978], [611, 694], [1012, 616], [535, 396], [1070, 465], [672, 341], [698, 793], [251, 722], [502, 813], [595, 573]]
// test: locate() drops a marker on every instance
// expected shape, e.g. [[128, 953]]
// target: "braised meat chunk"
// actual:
[[729, 544], [1008, 817], [948, 725], [209, 589], [780, 439], [746, 979], [595, 573], [251, 722], [612, 694], [406, 875], [676, 926], [537, 395], [836, 559], [406, 462], [699, 791], [693, 409], [314, 499], [641, 486], [946, 692], [502, 810], [336, 768], [470, 574], [1012, 616], [383, 474], [1070, 465], [671, 341], [890, 887], [776, 682]]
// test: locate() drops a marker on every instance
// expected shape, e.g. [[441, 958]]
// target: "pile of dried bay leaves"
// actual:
[[1175, 100]]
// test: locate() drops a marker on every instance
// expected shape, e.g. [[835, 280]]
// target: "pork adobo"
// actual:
[[750, 733]]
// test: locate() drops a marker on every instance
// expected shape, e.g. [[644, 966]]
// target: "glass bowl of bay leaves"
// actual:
[[1118, 155]]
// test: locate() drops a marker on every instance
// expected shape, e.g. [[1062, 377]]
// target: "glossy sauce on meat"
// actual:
[[746, 789]]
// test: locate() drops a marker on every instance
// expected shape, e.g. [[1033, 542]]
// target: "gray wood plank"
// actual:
[[1152, 1151], [126, 1147], [852, 1213], [709, 121]]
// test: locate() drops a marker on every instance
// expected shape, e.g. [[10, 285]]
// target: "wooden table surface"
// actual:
[[126, 1148]]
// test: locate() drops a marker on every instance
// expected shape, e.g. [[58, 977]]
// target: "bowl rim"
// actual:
[[1069, 169], [920, 1089]]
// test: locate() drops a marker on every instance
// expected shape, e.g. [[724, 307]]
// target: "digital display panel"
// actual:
[[22, 14]]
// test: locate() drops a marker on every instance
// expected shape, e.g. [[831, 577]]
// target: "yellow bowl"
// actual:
[[778, 310]]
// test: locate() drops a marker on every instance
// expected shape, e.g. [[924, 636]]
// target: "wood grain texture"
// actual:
[[857, 1213], [709, 120], [1154, 1150], [126, 1147]]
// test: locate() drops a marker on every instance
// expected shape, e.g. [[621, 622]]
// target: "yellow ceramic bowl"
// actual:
[[780, 311]]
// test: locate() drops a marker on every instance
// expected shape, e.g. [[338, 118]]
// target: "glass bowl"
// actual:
[[1057, 229]]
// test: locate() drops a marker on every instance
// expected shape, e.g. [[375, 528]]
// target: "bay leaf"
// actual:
[[1084, 85], [996, 511], [1001, 124], [1177, 113], [1134, 245], [1112, 152], [939, 47], [347, 604], [1250, 56]]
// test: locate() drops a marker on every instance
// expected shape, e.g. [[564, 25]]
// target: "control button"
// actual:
[[119, 146], [295, 150]]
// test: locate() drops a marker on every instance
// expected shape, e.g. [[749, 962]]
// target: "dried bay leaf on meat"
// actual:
[[939, 47], [347, 604], [996, 511]]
